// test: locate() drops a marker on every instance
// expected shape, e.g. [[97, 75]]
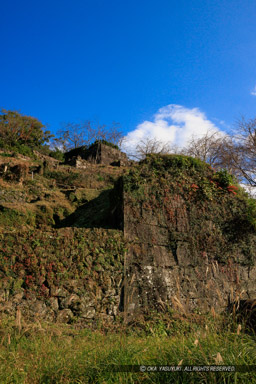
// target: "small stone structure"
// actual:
[[78, 162], [50, 161], [14, 172], [97, 153]]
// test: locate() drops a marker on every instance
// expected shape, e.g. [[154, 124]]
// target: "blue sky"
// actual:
[[128, 61]]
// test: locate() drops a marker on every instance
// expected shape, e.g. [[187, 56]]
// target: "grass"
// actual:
[[48, 353], [15, 216], [4, 154]]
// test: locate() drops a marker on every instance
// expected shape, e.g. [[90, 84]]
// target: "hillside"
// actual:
[[51, 273], [42, 192], [104, 241]]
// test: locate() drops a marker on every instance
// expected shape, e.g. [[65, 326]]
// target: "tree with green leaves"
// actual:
[[18, 131]]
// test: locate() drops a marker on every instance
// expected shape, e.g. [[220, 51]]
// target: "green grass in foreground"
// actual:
[[45, 353]]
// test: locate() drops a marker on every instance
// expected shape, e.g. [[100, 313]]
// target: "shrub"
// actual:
[[251, 212], [224, 178], [105, 142], [177, 163], [57, 154], [62, 177]]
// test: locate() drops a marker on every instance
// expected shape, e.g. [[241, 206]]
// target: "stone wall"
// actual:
[[66, 275], [47, 159], [104, 154], [189, 245], [97, 154], [78, 162]]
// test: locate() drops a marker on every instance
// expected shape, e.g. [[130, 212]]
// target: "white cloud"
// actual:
[[253, 92], [250, 190], [172, 124]]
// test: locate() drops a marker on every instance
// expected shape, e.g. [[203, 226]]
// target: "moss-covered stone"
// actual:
[[60, 263]]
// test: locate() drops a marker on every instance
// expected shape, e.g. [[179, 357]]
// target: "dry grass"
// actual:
[[52, 353]]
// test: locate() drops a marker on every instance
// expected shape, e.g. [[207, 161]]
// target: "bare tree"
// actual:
[[74, 135], [208, 148], [217, 149], [71, 136], [148, 146], [244, 150], [236, 152]]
